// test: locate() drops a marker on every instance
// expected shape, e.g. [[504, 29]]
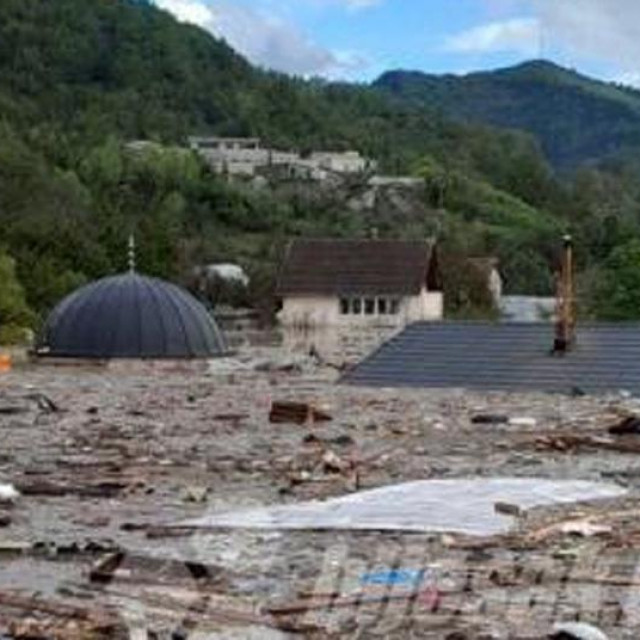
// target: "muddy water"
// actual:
[[164, 433], [331, 344]]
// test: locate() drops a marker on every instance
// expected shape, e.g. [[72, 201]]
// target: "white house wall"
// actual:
[[429, 305], [315, 311], [495, 286]]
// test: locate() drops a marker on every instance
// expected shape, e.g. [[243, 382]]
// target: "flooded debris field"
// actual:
[[117, 469]]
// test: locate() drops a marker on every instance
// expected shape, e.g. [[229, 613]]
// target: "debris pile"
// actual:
[[267, 502], [296, 413]]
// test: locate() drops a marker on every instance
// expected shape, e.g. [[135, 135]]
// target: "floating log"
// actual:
[[284, 412]]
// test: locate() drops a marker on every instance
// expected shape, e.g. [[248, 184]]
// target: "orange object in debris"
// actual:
[[5, 363]]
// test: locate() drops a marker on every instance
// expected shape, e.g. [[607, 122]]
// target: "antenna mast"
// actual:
[[132, 253]]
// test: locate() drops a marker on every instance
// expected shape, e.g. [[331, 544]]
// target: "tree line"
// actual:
[[79, 79]]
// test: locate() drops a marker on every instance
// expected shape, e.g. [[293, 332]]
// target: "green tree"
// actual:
[[15, 316], [466, 290], [616, 289]]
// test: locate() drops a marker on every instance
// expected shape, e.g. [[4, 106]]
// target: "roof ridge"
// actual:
[[364, 240], [355, 266]]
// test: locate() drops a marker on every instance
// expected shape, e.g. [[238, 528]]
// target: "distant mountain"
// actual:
[[576, 119]]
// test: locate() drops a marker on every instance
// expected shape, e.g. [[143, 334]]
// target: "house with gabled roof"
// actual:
[[335, 282]]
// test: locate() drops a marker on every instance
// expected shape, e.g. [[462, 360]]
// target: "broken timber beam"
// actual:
[[284, 412]]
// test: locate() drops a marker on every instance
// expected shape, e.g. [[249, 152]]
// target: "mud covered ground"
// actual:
[[121, 454]]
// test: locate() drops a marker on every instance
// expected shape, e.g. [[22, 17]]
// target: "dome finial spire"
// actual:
[[132, 253]]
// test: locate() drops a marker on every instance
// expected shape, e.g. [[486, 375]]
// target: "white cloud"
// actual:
[[606, 32], [266, 39], [518, 34], [629, 79], [190, 11]]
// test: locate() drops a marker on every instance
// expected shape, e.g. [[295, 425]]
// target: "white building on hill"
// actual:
[[247, 156]]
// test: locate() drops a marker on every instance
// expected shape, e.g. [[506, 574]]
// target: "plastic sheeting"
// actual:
[[464, 506]]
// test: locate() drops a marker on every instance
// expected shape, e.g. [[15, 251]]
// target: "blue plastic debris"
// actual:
[[392, 577]]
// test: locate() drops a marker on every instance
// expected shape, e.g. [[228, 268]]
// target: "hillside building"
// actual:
[[247, 157]]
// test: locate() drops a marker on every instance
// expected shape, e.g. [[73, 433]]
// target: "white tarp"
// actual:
[[459, 506]]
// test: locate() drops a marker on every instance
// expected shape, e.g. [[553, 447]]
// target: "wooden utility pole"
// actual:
[[565, 302]]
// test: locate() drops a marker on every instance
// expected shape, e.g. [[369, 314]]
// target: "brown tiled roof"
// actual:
[[356, 267]]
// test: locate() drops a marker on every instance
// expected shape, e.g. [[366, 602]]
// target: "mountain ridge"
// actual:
[[577, 119]]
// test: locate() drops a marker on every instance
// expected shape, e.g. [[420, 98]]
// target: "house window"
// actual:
[[369, 306]]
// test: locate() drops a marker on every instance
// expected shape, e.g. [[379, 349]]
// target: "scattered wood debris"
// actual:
[[284, 412], [585, 527], [429, 598], [508, 509], [104, 489], [568, 443], [628, 426], [133, 455], [62, 621], [129, 568]]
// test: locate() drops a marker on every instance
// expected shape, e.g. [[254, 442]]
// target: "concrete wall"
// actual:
[[283, 157], [317, 311], [255, 157], [339, 345], [347, 162], [528, 309], [495, 287], [396, 181], [220, 144], [243, 156], [429, 305], [234, 168]]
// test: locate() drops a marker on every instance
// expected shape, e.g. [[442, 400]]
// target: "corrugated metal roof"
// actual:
[[356, 267], [510, 357]]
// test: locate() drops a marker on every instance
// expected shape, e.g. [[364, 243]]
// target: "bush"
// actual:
[[466, 292], [12, 335], [616, 288], [15, 315]]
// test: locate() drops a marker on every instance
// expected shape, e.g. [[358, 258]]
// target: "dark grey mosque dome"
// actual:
[[130, 316]]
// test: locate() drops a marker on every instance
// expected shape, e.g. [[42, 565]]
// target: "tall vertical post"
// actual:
[[132, 253], [565, 304]]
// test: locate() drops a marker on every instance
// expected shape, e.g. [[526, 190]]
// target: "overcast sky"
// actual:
[[358, 39]]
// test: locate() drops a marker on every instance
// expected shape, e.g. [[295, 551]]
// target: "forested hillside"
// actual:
[[81, 78], [95, 67], [576, 119]]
